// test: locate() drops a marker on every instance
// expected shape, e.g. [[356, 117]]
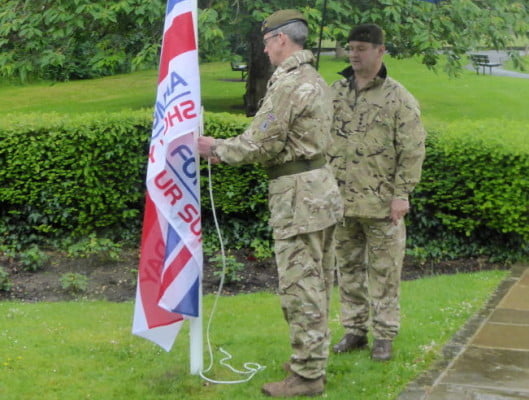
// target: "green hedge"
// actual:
[[476, 178], [237, 190], [73, 176]]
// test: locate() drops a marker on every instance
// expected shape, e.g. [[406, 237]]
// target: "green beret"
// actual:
[[281, 18], [370, 33]]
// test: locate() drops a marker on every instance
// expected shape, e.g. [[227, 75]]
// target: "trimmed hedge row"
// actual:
[[76, 175], [62, 175], [476, 177], [236, 190]]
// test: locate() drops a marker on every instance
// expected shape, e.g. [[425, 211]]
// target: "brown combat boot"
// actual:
[[350, 342], [288, 368], [381, 350], [294, 385]]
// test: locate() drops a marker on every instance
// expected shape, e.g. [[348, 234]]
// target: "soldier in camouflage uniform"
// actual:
[[377, 158], [289, 136]]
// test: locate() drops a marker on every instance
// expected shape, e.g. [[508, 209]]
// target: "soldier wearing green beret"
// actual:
[[289, 136], [377, 157]]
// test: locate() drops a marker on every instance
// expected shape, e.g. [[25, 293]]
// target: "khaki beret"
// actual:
[[281, 18]]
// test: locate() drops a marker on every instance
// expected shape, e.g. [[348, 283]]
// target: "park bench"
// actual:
[[482, 60], [240, 66]]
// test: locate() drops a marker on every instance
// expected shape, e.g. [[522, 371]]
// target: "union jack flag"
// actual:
[[170, 269]]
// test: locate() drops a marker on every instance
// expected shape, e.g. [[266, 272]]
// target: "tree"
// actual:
[[73, 39], [447, 30], [244, 24]]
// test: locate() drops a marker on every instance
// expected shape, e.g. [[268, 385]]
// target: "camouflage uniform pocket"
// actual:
[[282, 198]]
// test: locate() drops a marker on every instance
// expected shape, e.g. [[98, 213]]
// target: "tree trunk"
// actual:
[[259, 72], [340, 52]]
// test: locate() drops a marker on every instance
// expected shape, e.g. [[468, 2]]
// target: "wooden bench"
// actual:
[[240, 66], [482, 60]]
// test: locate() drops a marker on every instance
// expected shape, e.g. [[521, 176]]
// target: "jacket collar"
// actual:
[[293, 62], [349, 74]]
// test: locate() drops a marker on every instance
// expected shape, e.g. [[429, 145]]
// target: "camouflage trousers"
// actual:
[[369, 256], [306, 272]]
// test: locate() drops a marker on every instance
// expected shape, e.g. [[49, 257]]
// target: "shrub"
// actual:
[[262, 248], [476, 176], [73, 282], [79, 175], [74, 175], [5, 283], [236, 189], [93, 245], [474, 194], [227, 266], [83, 176], [33, 259]]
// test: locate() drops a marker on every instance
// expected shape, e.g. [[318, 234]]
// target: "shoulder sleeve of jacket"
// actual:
[[266, 135], [410, 144]]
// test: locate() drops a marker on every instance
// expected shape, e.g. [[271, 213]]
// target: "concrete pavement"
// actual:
[[498, 57], [488, 359]]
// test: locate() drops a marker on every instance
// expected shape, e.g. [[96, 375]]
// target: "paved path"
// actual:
[[498, 57], [489, 358]]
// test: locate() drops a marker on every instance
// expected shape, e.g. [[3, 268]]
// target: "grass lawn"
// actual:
[[442, 98], [113, 93], [84, 350]]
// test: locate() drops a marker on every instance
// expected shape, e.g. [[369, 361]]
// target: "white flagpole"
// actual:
[[196, 353], [196, 347]]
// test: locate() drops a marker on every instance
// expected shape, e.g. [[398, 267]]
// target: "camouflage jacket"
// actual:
[[293, 123], [378, 144]]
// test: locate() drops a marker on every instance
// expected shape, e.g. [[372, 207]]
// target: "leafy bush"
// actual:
[[474, 194], [73, 282], [80, 39], [236, 190], [5, 283], [94, 245], [262, 248], [83, 177], [227, 266], [476, 176], [74, 175], [33, 259]]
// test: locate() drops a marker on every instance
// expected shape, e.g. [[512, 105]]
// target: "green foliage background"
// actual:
[[78, 39], [78, 175], [433, 32], [477, 175]]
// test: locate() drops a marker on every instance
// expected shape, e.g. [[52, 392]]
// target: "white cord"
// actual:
[[250, 368]]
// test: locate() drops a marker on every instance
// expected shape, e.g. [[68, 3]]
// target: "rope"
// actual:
[[250, 368]]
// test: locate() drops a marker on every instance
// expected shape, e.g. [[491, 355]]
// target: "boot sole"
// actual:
[[348, 350]]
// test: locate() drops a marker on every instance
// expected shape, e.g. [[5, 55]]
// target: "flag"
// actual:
[[170, 268], [433, 1]]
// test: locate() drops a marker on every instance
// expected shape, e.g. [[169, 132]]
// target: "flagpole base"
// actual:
[[196, 347]]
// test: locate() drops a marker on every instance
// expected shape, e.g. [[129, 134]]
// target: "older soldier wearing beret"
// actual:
[[377, 158], [289, 136]]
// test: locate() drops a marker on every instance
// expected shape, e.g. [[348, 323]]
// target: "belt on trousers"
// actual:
[[295, 167]]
